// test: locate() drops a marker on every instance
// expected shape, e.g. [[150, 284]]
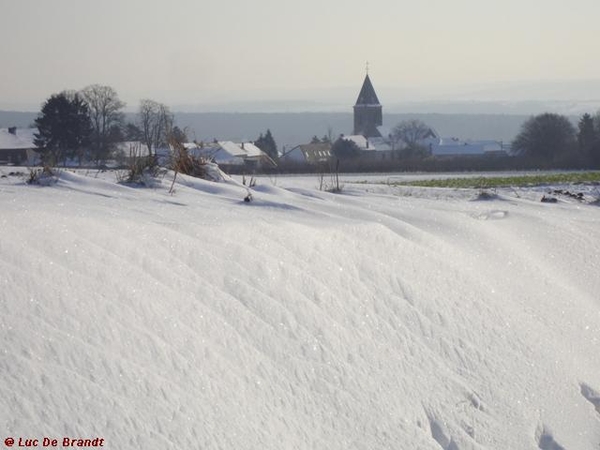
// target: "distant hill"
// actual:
[[290, 129], [16, 119]]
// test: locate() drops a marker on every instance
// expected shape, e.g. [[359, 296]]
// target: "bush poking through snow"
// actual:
[[485, 195], [334, 186], [142, 169], [250, 183], [45, 176], [574, 195], [183, 162], [595, 198], [335, 189], [196, 166], [548, 199]]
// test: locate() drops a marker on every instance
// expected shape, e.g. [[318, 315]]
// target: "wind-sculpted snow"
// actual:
[[368, 319]]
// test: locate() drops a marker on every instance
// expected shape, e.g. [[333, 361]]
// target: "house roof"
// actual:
[[384, 131], [231, 153], [232, 148], [222, 152], [453, 146], [368, 144], [379, 144], [312, 153], [367, 95], [316, 152], [255, 153], [456, 149], [21, 140], [358, 139], [251, 150]]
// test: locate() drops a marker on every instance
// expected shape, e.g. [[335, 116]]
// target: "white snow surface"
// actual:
[[379, 318]]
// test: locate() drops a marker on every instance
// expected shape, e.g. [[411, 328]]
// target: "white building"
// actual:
[[457, 147], [17, 146], [312, 154], [228, 153]]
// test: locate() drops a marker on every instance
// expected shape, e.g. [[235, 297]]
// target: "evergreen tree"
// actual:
[[267, 144], [64, 128], [81, 128], [595, 150], [588, 138], [587, 133]]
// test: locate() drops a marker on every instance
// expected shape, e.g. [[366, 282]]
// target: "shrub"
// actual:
[[45, 176], [141, 169], [345, 148], [484, 195], [187, 164]]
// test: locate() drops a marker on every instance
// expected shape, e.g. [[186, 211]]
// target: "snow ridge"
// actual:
[[300, 320]]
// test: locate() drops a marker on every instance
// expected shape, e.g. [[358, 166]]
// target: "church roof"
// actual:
[[367, 94]]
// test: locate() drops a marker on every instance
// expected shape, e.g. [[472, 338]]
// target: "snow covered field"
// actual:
[[379, 318]]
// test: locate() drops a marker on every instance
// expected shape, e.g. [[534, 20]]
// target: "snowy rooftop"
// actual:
[[358, 139], [368, 144], [232, 148], [22, 139], [251, 150]]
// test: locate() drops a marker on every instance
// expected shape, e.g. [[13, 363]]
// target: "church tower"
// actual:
[[368, 113]]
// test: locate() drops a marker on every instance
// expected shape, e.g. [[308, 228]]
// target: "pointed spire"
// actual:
[[368, 112], [367, 95]]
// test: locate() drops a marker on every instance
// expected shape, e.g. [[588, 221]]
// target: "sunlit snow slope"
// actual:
[[302, 320]]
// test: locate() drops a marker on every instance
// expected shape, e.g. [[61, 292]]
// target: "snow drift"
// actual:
[[377, 318]]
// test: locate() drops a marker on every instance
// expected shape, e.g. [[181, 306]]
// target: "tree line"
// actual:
[[555, 142], [87, 125], [546, 140]]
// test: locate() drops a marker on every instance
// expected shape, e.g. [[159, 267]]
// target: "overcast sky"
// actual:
[[200, 51]]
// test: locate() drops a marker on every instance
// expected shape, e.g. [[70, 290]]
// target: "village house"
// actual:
[[232, 156], [311, 154], [456, 147], [17, 147]]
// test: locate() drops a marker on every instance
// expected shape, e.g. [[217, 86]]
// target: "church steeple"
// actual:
[[368, 114], [367, 95]]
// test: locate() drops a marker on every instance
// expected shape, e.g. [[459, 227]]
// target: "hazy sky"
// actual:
[[196, 51]]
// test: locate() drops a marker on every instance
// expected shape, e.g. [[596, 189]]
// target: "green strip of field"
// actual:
[[513, 181]]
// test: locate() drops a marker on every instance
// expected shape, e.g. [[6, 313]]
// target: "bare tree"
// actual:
[[411, 132], [105, 112], [156, 122]]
